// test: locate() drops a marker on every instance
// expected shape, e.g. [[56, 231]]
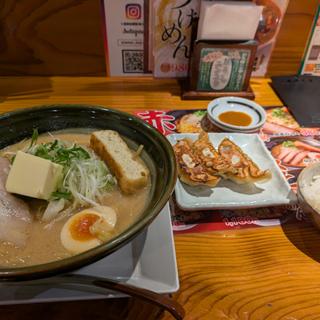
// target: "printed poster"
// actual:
[[173, 21], [269, 27]]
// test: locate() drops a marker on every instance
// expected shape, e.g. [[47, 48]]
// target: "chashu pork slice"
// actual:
[[15, 217]]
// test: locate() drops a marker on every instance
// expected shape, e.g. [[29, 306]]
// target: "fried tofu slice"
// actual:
[[244, 170], [131, 172], [191, 169]]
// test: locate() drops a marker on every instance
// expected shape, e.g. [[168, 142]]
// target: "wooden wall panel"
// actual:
[[64, 37], [51, 37]]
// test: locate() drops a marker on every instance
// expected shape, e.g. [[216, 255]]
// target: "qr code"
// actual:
[[132, 61]]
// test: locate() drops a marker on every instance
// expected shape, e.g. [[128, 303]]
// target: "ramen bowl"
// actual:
[[233, 114], [158, 155]]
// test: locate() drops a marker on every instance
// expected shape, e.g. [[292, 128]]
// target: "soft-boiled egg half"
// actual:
[[88, 229]]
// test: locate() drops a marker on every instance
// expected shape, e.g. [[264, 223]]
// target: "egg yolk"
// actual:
[[80, 228]]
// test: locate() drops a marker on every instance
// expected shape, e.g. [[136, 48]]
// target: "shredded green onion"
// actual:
[[87, 181], [34, 138], [58, 152], [61, 195]]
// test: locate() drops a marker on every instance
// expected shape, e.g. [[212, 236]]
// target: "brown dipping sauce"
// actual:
[[235, 118]]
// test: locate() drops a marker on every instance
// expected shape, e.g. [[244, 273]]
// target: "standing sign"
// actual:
[[173, 20], [124, 21], [311, 61]]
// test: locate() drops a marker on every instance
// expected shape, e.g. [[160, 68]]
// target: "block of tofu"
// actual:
[[131, 172], [33, 176]]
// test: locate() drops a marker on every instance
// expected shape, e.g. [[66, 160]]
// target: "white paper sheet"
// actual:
[[228, 20]]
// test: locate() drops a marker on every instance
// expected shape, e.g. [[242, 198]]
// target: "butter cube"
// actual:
[[33, 176]]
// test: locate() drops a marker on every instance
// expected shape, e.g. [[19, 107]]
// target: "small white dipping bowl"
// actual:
[[221, 105]]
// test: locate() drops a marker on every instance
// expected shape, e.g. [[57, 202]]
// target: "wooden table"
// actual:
[[267, 273]]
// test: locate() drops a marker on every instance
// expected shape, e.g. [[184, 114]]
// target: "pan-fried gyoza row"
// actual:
[[199, 163]]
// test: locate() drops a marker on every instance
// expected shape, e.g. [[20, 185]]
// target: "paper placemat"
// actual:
[[281, 134]]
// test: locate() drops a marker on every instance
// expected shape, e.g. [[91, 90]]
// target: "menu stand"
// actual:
[[219, 69]]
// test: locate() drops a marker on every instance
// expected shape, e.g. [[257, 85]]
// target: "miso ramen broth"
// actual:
[[43, 244]]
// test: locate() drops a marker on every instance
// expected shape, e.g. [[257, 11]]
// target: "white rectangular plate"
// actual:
[[149, 262], [229, 195]]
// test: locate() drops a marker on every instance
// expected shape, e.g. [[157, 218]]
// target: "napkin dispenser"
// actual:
[[223, 52]]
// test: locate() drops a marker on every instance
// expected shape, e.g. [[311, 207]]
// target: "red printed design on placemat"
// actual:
[[290, 177], [159, 119]]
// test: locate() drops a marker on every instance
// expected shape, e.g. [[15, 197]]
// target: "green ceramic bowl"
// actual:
[[158, 153]]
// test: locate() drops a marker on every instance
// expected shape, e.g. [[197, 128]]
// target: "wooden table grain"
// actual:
[[269, 273]]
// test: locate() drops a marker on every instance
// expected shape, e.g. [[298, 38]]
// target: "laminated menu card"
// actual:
[[222, 66]]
